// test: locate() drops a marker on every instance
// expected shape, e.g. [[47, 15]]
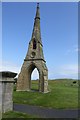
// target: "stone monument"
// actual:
[[34, 59], [6, 86]]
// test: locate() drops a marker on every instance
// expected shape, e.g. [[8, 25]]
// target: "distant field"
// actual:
[[63, 95]]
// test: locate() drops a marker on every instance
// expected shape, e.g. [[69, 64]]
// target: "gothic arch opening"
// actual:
[[35, 80], [34, 44], [34, 77]]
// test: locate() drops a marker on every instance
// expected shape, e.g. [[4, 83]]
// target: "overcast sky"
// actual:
[[59, 32]]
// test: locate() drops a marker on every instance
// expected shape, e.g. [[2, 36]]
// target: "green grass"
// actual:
[[34, 84], [13, 114], [63, 94]]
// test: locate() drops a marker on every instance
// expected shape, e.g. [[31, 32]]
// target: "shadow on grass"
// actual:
[[34, 90]]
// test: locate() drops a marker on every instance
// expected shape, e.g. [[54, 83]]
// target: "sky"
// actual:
[[59, 33]]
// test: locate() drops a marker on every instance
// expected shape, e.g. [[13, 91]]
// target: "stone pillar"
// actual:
[[6, 84], [0, 97]]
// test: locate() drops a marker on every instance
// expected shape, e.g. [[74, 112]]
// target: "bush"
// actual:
[[74, 82]]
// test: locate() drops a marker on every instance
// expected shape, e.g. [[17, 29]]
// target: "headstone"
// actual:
[[6, 91], [0, 97]]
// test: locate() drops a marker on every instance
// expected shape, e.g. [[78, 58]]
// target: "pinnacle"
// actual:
[[36, 29], [37, 5], [37, 12]]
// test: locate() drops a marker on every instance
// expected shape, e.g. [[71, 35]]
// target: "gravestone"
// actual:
[[6, 91], [0, 97]]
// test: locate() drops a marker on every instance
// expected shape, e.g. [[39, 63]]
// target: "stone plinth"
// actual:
[[6, 86]]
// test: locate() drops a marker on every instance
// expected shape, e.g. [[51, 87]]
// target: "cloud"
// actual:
[[9, 66], [77, 50], [69, 69], [64, 71], [73, 49]]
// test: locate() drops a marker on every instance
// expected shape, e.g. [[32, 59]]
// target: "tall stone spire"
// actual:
[[35, 44], [34, 59], [36, 29]]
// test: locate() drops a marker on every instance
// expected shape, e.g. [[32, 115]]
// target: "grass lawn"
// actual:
[[14, 115], [63, 94]]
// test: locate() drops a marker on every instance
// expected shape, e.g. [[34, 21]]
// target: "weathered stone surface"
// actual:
[[8, 74], [6, 91], [34, 59], [0, 101]]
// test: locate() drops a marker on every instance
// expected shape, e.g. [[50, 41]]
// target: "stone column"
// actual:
[[0, 97], [6, 84]]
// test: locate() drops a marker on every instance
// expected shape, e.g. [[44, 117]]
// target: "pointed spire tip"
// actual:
[[38, 4]]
